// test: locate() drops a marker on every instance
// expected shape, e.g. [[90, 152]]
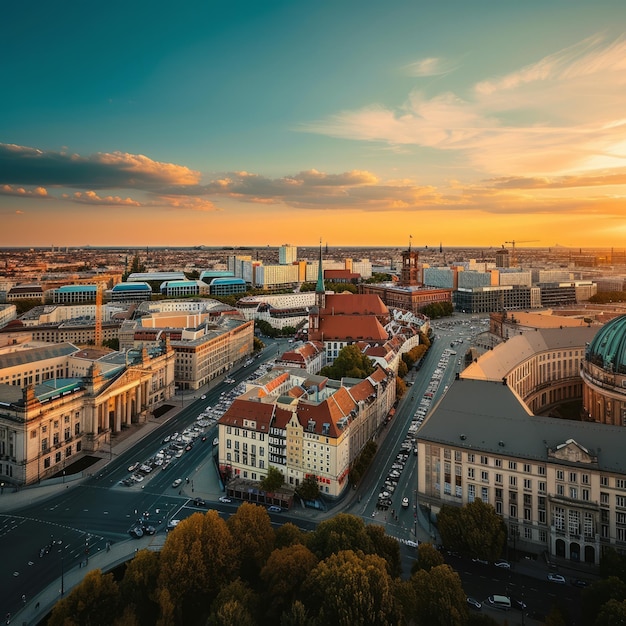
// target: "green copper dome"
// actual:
[[608, 348]]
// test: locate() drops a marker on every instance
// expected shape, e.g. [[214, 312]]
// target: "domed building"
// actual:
[[604, 375]]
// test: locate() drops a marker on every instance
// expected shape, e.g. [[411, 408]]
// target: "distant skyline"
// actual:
[[262, 123]]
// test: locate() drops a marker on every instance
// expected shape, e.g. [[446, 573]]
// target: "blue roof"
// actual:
[[132, 287], [608, 347], [215, 274], [76, 288], [228, 281]]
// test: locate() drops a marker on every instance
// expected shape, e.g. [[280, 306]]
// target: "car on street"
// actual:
[[474, 603], [481, 561], [199, 502], [177, 482], [405, 502], [274, 509], [133, 467], [136, 532], [225, 500], [203, 397], [216, 441], [556, 578], [172, 524], [518, 604], [580, 582], [503, 564]]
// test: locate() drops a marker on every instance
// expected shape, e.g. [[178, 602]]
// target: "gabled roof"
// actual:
[[354, 304], [251, 410]]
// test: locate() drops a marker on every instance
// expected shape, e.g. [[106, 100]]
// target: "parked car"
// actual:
[[133, 467], [502, 563], [177, 482], [274, 509], [136, 532], [172, 524], [556, 578], [581, 582], [199, 502], [516, 603], [473, 603], [405, 502], [225, 500]]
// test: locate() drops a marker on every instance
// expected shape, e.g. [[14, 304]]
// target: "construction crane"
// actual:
[[98, 325], [513, 262]]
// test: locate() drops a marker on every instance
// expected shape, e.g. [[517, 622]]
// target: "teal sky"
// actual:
[[201, 122]]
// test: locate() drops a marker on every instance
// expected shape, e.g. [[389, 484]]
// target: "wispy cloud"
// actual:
[[91, 197], [11, 190], [561, 114], [431, 66]]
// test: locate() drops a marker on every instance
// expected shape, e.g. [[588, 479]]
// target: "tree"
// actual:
[[403, 370], [612, 564], [93, 603], [612, 613], [308, 489], [439, 597], [598, 594], [385, 547], [274, 479], [342, 532], [474, 529], [199, 558], [257, 344], [428, 557], [289, 534], [361, 578], [296, 615], [235, 605], [138, 587], [401, 387], [253, 531], [284, 574], [351, 363]]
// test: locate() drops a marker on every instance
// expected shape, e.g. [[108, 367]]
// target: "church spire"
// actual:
[[320, 290]]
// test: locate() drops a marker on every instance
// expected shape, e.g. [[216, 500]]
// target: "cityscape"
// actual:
[[313, 314]]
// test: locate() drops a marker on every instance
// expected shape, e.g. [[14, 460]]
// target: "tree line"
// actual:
[[242, 572]]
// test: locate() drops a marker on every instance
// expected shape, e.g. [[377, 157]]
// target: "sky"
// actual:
[[354, 122]]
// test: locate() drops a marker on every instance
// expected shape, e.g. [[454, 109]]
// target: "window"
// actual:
[[470, 472], [528, 533], [573, 477], [585, 494], [457, 456], [470, 458], [512, 465], [471, 493], [484, 476], [497, 462], [620, 501], [604, 498], [559, 474], [620, 483], [604, 481], [484, 494], [560, 490], [542, 486], [513, 481], [513, 510], [542, 517], [484, 460], [499, 478], [527, 468], [543, 536], [584, 479], [528, 484], [573, 493], [541, 470]]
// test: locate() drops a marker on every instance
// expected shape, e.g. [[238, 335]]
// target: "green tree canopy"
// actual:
[[139, 586], [274, 479], [235, 605], [289, 534], [308, 488], [598, 594], [428, 557], [342, 532], [351, 363]]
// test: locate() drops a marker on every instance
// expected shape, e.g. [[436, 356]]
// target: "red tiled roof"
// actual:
[[355, 304], [241, 410], [351, 327]]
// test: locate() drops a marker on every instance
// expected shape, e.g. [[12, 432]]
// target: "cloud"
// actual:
[[91, 197], [431, 66], [560, 115], [20, 165], [601, 179], [10, 190]]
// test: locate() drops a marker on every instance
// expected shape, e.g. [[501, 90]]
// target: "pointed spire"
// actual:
[[410, 238]]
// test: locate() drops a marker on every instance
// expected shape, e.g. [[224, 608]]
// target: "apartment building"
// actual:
[[304, 425]]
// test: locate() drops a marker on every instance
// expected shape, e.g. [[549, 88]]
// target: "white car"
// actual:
[[502, 563], [556, 578], [405, 503], [224, 499], [202, 397], [177, 482]]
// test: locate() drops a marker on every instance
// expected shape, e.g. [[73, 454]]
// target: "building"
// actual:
[[309, 356], [137, 291], [25, 292], [407, 297], [60, 403], [287, 254], [227, 286], [303, 425], [205, 345], [73, 294], [603, 373], [183, 288], [558, 484]]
